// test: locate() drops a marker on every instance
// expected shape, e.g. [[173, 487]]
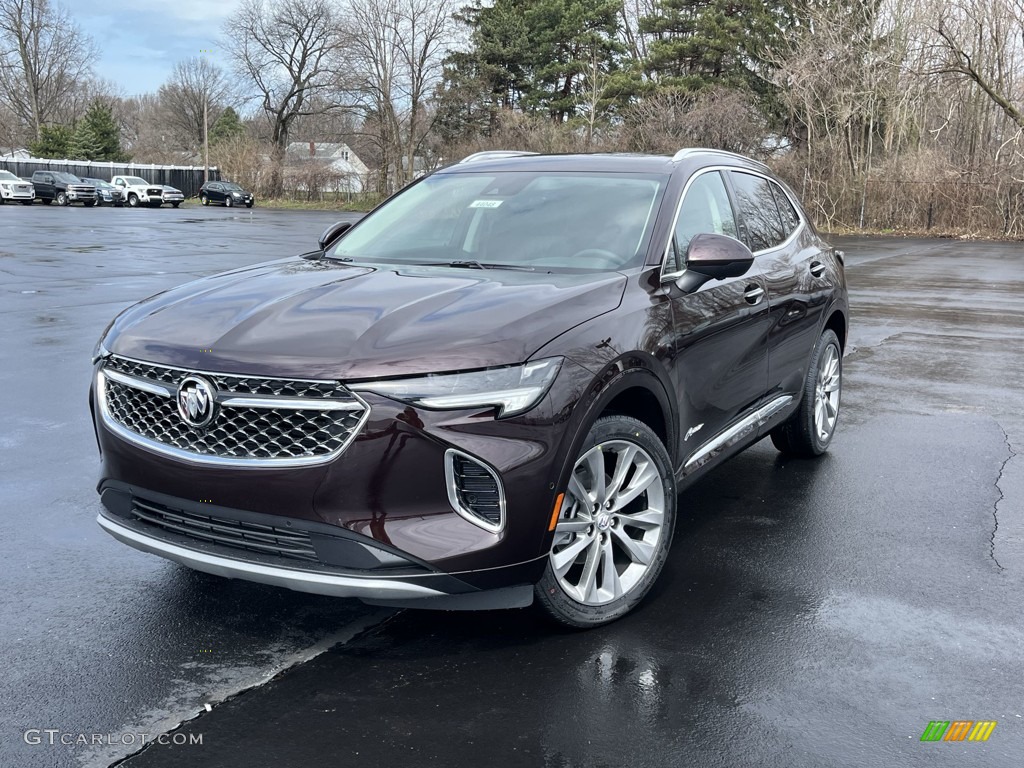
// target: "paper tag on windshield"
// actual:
[[486, 203]]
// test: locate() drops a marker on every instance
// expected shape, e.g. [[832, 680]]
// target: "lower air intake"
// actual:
[[474, 490]]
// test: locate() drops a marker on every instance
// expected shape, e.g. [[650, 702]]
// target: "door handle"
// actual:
[[753, 294], [817, 268]]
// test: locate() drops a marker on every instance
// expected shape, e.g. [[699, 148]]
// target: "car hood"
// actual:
[[326, 319]]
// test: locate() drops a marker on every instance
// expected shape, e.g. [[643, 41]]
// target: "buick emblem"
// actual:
[[195, 401]]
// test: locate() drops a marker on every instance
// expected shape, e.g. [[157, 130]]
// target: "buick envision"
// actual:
[[488, 391]]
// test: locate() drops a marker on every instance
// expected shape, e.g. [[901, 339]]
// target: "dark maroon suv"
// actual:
[[488, 391]]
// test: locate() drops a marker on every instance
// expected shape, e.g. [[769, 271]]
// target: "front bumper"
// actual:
[[387, 492], [16, 194]]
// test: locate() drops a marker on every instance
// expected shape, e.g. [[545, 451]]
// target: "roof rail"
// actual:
[[494, 154], [682, 154]]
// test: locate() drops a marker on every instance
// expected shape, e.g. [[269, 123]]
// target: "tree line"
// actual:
[[906, 114]]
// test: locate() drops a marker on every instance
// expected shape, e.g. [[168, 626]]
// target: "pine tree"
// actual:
[[54, 142], [700, 43], [228, 126], [99, 119], [85, 145]]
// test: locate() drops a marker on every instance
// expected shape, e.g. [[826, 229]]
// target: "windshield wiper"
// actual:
[[473, 264]]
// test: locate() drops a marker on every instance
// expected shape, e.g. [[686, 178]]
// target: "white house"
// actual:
[[330, 165]]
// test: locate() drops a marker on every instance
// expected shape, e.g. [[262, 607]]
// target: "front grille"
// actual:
[[474, 491], [265, 539], [154, 192], [255, 420]]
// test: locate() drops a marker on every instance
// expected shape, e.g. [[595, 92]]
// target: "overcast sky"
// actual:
[[140, 42]]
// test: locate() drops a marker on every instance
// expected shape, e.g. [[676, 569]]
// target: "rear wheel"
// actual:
[[614, 528], [808, 432], [88, 203], [27, 202], [46, 202], [248, 205], [175, 205]]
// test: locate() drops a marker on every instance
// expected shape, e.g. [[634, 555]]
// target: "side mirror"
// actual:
[[332, 233], [718, 256]]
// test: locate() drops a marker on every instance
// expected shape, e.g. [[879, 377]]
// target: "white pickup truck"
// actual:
[[137, 191]]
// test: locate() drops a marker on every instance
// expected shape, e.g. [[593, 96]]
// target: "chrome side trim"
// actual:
[[453, 494], [303, 581], [740, 429], [197, 458]]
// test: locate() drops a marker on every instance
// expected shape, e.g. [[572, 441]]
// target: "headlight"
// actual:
[[6, 186], [512, 390]]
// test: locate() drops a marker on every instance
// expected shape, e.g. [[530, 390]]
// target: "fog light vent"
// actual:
[[474, 490]]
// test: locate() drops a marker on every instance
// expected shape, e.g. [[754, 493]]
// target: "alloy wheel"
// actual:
[[826, 393], [610, 524]]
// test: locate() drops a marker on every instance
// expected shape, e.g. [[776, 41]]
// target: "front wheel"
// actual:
[[614, 528], [204, 200], [228, 202], [808, 432], [133, 201], [62, 199]]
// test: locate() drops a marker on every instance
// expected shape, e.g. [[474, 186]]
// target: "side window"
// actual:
[[705, 209], [758, 210], [788, 214]]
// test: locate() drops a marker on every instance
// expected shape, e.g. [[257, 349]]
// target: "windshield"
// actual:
[[535, 220], [230, 186], [135, 181], [67, 178], [8, 176]]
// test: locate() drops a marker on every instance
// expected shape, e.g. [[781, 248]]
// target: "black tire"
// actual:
[[799, 435], [248, 205], [62, 199], [204, 200], [228, 202], [175, 205], [3, 201], [46, 201], [88, 203], [27, 202], [133, 200], [552, 596]]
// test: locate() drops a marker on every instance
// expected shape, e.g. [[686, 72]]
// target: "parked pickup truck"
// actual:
[[63, 188], [15, 189], [137, 191]]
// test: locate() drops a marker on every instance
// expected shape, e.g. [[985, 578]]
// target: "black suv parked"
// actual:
[[225, 193], [488, 391], [63, 188]]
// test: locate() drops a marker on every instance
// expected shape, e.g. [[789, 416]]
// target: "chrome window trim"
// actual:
[[667, 277], [453, 494], [223, 461]]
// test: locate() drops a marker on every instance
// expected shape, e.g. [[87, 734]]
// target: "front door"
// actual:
[[721, 329]]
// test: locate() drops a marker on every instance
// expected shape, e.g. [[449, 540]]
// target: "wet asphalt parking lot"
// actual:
[[812, 613]]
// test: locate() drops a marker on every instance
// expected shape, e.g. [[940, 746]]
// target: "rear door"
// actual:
[[789, 256], [721, 367]]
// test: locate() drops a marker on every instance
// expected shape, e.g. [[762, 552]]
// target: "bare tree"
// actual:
[[194, 85], [983, 41], [396, 50], [287, 50], [44, 56]]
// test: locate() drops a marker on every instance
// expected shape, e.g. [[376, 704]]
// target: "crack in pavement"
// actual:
[[346, 635], [1002, 496]]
